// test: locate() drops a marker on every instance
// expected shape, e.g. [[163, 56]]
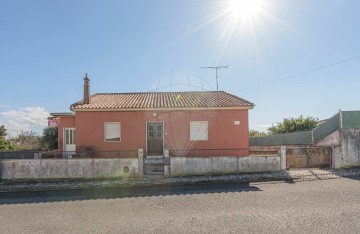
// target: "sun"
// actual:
[[245, 9]]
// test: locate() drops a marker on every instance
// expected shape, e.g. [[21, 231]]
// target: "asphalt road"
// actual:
[[328, 206]]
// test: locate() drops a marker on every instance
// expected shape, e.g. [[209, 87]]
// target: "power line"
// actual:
[[302, 73]]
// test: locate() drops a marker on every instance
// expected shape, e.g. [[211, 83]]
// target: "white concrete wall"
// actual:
[[348, 154], [114, 168], [68, 168], [259, 164], [184, 166]]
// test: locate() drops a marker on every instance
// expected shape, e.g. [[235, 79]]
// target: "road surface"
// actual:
[[322, 206]]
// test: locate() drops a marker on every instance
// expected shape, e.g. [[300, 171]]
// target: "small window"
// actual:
[[112, 132], [198, 131]]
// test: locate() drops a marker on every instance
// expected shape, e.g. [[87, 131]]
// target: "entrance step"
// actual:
[[154, 165], [154, 156], [149, 161], [152, 169], [154, 176]]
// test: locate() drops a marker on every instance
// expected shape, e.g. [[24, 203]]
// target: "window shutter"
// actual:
[[198, 131], [112, 131]]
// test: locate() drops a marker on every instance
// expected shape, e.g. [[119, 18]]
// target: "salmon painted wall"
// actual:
[[65, 122], [222, 131]]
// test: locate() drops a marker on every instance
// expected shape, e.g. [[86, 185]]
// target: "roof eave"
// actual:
[[61, 114], [164, 109]]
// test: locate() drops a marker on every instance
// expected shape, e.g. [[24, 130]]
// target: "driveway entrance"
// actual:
[[308, 157]]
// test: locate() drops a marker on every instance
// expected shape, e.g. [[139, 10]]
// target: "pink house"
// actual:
[[186, 123]]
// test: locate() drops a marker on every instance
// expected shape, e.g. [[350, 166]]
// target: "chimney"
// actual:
[[86, 89]]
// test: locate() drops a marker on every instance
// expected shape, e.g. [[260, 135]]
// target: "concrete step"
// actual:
[[154, 161], [154, 169], [155, 176], [154, 156]]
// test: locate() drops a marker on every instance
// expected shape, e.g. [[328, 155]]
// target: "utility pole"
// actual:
[[216, 73]]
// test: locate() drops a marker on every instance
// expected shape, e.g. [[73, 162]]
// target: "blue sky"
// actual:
[[125, 46]]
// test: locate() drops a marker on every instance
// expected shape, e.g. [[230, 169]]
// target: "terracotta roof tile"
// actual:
[[159, 100]]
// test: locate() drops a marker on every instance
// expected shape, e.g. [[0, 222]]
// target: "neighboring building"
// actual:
[[179, 121]]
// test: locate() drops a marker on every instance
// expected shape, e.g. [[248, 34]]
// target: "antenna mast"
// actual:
[[216, 73]]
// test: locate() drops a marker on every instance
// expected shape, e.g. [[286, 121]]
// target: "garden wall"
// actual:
[[68, 168]]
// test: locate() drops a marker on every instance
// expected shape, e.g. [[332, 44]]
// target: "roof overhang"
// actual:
[[61, 114], [163, 109]]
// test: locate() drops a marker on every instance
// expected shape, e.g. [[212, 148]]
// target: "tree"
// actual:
[[294, 125], [26, 140], [256, 133], [49, 140], [4, 144], [3, 131]]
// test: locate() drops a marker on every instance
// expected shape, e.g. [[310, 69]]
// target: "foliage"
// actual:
[[49, 140], [4, 144], [294, 125], [256, 133], [26, 140], [3, 131]]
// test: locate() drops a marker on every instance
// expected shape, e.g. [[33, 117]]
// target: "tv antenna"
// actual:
[[216, 73]]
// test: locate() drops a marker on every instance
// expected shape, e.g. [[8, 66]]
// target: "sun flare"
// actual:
[[245, 9]]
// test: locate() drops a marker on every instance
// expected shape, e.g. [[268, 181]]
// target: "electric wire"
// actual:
[[301, 73]]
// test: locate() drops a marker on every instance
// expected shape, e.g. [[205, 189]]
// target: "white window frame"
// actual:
[[202, 137], [72, 131], [105, 123]]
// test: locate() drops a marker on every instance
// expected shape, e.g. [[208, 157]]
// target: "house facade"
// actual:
[[182, 122]]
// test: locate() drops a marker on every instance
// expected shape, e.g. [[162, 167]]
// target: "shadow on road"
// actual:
[[7, 198]]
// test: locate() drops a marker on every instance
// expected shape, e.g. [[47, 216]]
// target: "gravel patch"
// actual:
[[290, 175]]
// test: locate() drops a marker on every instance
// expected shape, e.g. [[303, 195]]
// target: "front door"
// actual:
[[155, 138], [69, 141]]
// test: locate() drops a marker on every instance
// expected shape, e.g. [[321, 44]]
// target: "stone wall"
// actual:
[[68, 168]]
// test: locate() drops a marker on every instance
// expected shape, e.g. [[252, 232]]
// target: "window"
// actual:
[[112, 132], [70, 136], [198, 130]]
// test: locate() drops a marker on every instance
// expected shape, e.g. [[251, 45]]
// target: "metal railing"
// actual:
[[208, 152], [252, 151], [18, 154], [21, 154]]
